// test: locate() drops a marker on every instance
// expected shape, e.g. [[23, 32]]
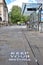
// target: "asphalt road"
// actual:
[[13, 39]]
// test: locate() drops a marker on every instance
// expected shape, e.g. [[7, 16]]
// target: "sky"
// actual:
[[10, 3]]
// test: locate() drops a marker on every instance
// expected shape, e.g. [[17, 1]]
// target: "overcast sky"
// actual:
[[10, 3]]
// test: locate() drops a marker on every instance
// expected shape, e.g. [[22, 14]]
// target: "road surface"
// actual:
[[15, 39]]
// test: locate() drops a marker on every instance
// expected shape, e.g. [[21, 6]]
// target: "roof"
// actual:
[[30, 7]]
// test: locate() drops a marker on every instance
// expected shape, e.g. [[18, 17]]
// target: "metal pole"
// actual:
[[39, 15], [41, 27]]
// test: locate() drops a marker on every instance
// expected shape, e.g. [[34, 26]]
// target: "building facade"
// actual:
[[3, 12]]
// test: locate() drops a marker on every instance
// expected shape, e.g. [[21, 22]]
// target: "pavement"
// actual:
[[36, 43], [18, 39]]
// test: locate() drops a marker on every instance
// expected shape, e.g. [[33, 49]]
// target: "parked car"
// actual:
[[18, 23]]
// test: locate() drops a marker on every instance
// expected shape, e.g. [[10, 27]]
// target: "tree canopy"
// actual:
[[16, 15]]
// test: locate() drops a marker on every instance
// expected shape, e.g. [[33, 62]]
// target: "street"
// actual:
[[18, 39]]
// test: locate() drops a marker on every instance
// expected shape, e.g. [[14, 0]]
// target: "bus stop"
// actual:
[[36, 15]]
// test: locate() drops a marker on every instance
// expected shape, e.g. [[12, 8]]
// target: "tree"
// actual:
[[15, 14]]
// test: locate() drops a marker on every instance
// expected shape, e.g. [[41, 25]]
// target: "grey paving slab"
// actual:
[[12, 39], [36, 41]]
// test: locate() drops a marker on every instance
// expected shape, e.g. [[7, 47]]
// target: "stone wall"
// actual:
[[3, 12]]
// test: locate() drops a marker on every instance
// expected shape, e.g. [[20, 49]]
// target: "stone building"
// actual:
[[3, 12]]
